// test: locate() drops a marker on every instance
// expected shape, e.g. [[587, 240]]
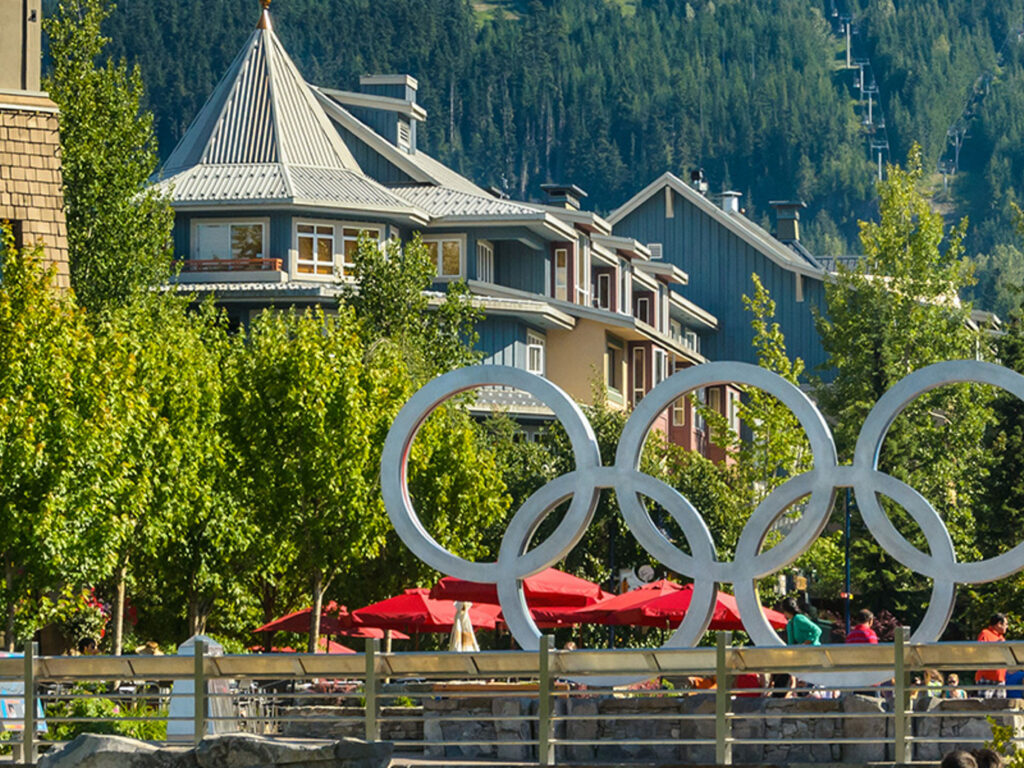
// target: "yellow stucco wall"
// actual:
[[572, 360]]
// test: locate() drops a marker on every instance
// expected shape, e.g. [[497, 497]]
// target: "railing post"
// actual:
[[28, 737], [370, 689], [199, 695], [900, 699], [545, 749], [723, 746]]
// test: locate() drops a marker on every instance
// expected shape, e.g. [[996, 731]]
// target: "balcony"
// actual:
[[232, 271]]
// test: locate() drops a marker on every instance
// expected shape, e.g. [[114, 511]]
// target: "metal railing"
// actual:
[[534, 706], [231, 265]]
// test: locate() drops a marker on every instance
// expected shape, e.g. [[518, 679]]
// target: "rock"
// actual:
[[107, 751], [233, 750], [865, 728]]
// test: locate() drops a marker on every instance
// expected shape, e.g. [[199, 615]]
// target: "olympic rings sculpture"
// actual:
[[818, 485]]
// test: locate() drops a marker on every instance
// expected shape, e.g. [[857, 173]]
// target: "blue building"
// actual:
[[276, 179], [720, 248]]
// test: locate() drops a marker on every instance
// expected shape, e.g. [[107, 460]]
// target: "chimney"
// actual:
[[564, 195], [396, 128], [20, 57], [787, 219], [730, 201]]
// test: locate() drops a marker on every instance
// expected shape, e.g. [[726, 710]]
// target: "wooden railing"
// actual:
[[231, 265]]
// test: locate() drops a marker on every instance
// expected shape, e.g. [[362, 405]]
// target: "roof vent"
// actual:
[[787, 219], [564, 195], [730, 201]]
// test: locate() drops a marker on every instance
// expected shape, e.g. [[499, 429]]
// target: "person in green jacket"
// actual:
[[800, 630]]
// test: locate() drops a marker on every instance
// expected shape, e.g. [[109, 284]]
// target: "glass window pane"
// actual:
[[451, 264], [213, 241], [306, 228], [325, 231], [246, 241], [305, 248], [325, 250]]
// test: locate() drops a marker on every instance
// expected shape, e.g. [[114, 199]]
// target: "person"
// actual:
[[800, 630], [987, 758], [933, 683], [783, 686], [995, 679], [958, 758], [1014, 681], [751, 684], [87, 647], [862, 631], [953, 689]]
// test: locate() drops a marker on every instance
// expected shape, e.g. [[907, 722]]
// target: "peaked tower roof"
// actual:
[[263, 136]]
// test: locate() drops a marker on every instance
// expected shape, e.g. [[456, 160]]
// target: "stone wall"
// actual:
[[472, 726], [30, 175]]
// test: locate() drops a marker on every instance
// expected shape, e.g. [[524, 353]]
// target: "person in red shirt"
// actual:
[[862, 631], [995, 632]]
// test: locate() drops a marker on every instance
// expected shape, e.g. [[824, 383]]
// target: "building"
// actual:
[[276, 179], [720, 248], [31, 198]]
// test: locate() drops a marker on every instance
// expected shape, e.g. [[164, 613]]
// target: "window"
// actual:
[[660, 367], [484, 261], [663, 309], [692, 341], [562, 273], [613, 366], [625, 292], [315, 243], [657, 251], [733, 414], [583, 275], [447, 255], [229, 240], [679, 405], [350, 244], [535, 353], [643, 309], [675, 330], [799, 287], [715, 399], [639, 374], [669, 209], [603, 299]]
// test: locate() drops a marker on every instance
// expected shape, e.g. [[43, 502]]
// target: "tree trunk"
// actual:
[[9, 584], [314, 616], [122, 577], [269, 594]]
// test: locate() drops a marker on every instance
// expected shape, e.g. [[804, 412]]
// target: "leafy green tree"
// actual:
[[119, 229], [59, 440], [896, 311]]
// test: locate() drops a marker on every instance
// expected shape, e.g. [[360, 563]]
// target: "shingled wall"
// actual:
[[30, 177]]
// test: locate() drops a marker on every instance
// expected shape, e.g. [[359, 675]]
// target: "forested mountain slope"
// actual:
[[610, 94]]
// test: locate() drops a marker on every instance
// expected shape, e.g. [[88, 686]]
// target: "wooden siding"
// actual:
[[720, 266], [519, 266], [371, 162], [502, 341]]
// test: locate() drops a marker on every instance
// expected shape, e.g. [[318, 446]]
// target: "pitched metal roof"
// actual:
[[445, 201], [263, 137]]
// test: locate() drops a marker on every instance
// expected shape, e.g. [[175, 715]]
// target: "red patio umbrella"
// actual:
[[667, 606], [334, 620], [549, 587], [328, 646], [414, 611], [596, 613]]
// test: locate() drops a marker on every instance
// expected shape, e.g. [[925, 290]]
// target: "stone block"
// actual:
[[865, 728], [581, 730], [509, 728]]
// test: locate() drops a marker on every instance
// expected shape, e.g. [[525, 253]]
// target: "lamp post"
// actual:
[[846, 546]]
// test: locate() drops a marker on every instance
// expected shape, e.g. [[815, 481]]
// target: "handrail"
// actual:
[[491, 664], [231, 265]]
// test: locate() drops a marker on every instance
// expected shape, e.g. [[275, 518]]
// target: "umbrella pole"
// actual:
[[387, 641]]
